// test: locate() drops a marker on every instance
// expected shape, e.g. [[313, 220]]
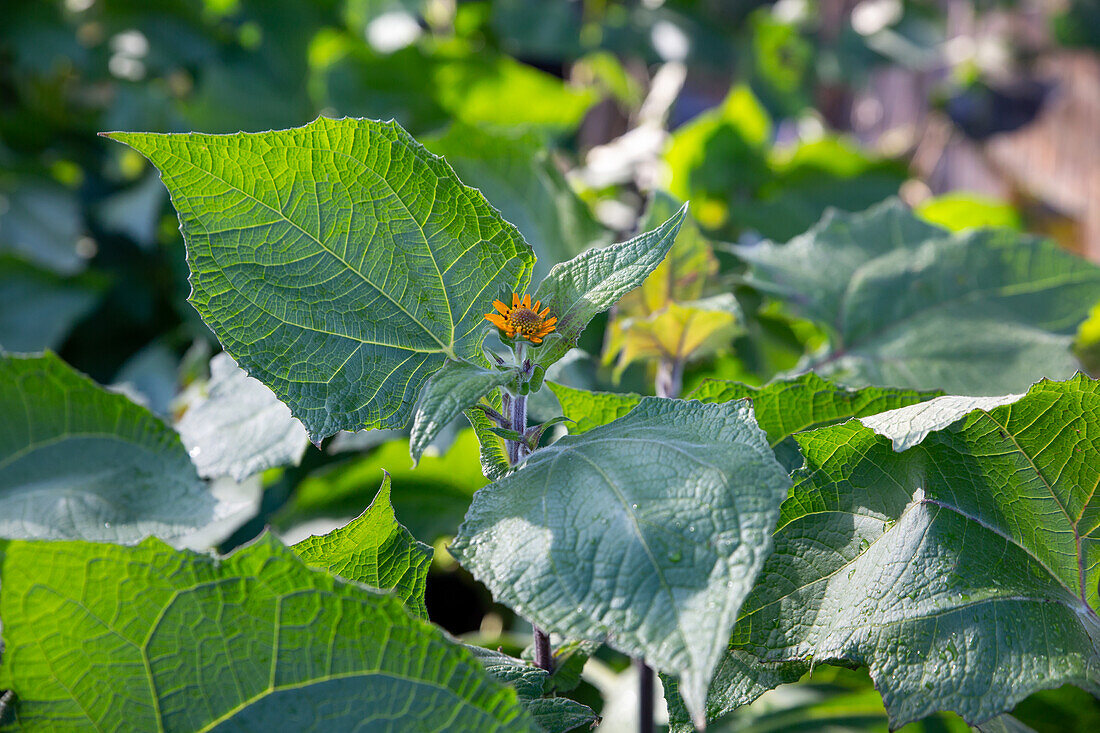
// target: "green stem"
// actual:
[[517, 451]]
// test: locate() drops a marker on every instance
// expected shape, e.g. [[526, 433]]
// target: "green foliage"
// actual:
[[517, 175], [907, 304], [959, 211], [373, 549], [80, 462], [723, 160], [38, 307], [428, 86], [957, 569], [790, 406], [689, 516], [239, 428], [431, 499], [384, 263], [281, 646], [453, 389], [553, 714]]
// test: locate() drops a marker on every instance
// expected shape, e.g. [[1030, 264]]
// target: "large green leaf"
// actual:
[[514, 170], [339, 263], [963, 571], [453, 389], [646, 532], [911, 305], [789, 406], [239, 427], [375, 550], [592, 282], [80, 462], [108, 637], [38, 308]]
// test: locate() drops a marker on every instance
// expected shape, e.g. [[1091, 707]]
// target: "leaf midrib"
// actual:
[[444, 348]]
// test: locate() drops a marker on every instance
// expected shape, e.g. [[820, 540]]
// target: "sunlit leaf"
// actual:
[[252, 641], [339, 263], [961, 570], [375, 550]]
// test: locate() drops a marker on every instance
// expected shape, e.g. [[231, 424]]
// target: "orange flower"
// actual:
[[522, 320]]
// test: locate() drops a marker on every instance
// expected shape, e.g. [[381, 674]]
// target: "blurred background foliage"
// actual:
[[572, 116]]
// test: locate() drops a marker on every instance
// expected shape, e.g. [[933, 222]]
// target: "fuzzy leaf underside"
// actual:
[[645, 533], [450, 391], [962, 570], [241, 427]]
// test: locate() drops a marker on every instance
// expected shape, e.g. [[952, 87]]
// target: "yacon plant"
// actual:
[[353, 274]]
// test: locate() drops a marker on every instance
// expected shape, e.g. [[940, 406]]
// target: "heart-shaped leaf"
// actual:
[[645, 533], [339, 263]]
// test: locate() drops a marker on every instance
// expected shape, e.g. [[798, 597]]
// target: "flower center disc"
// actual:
[[524, 320]]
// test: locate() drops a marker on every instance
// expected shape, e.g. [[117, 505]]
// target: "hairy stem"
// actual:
[[515, 408]]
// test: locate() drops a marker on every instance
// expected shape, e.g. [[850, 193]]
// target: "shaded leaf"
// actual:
[[454, 388], [40, 221], [339, 263], [908, 304], [491, 449], [658, 521], [80, 462], [39, 308], [553, 714]]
